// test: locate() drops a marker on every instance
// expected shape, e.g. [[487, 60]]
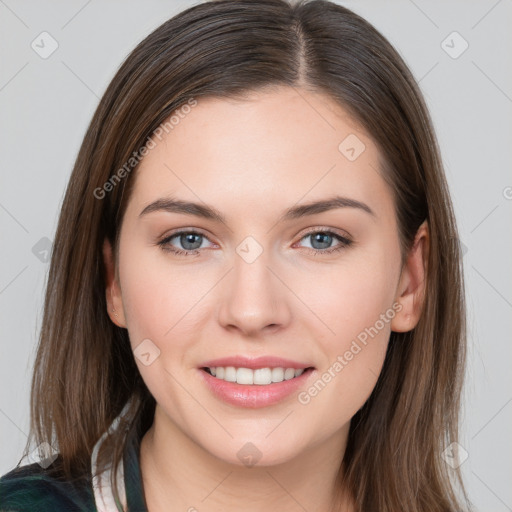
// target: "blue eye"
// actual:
[[192, 241], [321, 242]]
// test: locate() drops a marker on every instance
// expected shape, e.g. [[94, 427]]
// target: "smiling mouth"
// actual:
[[258, 377]]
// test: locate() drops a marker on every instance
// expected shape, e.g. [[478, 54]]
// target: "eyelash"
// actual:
[[344, 243]]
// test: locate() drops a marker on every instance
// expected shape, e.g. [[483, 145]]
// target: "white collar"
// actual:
[[103, 495]]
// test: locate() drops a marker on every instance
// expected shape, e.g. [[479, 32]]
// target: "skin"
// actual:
[[252, 160]]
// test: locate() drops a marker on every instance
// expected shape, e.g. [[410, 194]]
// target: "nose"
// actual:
[[254, 300]]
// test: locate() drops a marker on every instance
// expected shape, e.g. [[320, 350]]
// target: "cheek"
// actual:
[[352, 360], [159, 298], [355, 304], [351, 296]]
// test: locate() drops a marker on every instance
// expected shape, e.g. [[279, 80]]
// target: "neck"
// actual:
[[179, 474]]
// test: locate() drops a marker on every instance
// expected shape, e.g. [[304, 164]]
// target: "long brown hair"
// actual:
[[85, 371]]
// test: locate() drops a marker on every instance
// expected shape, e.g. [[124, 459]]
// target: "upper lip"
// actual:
[[255, 363]]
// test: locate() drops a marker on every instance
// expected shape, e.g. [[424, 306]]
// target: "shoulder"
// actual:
[[32, 487]]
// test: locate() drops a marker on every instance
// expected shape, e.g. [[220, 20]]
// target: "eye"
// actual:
[[190, 241], [322, 240]]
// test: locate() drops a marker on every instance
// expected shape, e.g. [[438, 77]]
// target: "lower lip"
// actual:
[[255, 395]]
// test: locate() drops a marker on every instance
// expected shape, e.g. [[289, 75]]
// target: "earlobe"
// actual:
[[411, 287], [112, 288]]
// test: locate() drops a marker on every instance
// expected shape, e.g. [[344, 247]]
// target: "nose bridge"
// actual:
[[253, 298]]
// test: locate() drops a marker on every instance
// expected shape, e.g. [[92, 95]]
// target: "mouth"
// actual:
[[253, 382], [255, 377], [255, 387]]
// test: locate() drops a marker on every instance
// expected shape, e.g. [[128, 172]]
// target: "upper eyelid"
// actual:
[[335, 231], [195, 231]]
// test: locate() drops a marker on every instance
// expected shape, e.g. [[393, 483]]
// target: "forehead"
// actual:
[[269, 150]]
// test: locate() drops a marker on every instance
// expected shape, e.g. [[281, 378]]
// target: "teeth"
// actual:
[[230, 374], [261, 376]]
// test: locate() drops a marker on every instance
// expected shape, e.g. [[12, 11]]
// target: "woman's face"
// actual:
[[318, 287]]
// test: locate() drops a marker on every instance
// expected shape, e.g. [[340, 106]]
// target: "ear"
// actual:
[[411, 287], [112, 288]]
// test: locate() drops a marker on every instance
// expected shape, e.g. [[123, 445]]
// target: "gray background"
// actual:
[[46, 105]]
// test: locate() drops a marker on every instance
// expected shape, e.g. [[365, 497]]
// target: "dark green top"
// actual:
[[31, 488]]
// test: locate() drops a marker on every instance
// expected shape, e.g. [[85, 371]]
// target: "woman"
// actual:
[[255, 297]]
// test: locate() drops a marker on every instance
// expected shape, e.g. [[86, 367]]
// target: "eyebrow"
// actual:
[[204, 211]]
